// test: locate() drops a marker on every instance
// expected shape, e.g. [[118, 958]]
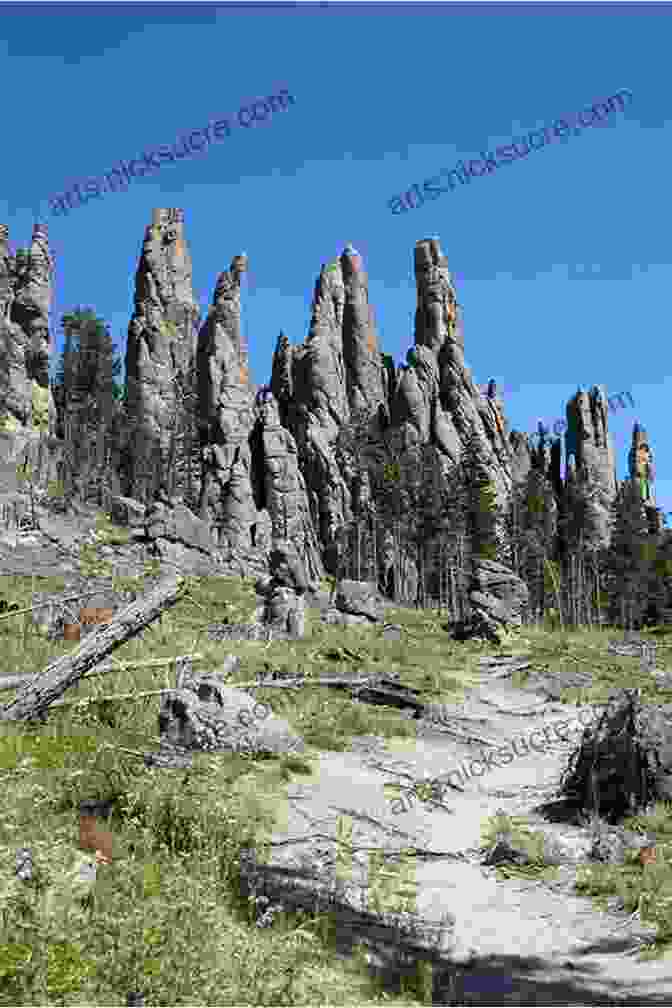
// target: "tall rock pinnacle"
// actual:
[[319, 384], [25, 300], [435, 399], [640, 465], [226, 412], [250, 461], [161, 339], [591, 477], [361, 354]]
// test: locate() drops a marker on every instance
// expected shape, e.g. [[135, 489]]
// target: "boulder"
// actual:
[[288, 569], [127, 511], [203, 713], [283, 593], [361, 599], [497, 597], [179, 525]]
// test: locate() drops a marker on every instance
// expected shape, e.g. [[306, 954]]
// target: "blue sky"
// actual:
[[560, 259]]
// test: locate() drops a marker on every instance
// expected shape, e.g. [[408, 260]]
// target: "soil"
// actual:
[[512, 942]]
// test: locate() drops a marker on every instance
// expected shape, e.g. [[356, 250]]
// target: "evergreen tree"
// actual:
[[85, 394], [631, 558], [484, 512]]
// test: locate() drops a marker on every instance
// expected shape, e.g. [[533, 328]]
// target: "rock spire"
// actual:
[[161, 342], [25, 301]]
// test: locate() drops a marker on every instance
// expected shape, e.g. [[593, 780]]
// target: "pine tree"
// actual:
[[484, 512], [85, 394], [631, 558]]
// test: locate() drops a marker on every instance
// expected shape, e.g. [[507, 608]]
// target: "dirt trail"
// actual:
[[515, 942]]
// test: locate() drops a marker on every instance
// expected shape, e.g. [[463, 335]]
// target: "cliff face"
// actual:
[[25, 300]]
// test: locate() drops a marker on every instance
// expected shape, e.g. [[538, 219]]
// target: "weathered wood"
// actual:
[[11, 682], [83, 701], [369, 689], [55, 602], [42, 690]]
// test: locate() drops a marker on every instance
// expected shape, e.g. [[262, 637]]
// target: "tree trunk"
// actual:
[[67, 670]]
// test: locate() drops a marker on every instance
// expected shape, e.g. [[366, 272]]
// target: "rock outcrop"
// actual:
[[285, 496], [252, 488], [273, 465], [498, 599], [358, 602], [640, 465], [591, 470], [181, 539], [25, 299], [283, 609], [160, 350], [318, 385], [203, 713]]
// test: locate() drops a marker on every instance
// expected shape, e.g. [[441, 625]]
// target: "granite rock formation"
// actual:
[[283, 608], [359, 602], [252, 488], [270, 465], [318, 385], [640, 465], [591, 469], [498, 599], [285, 497], [25, 299], [160, 348], [203, 713], [178, 537]]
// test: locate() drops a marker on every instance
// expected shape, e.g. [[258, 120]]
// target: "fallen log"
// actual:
[[373, 689], [36, 696], [11, 682]]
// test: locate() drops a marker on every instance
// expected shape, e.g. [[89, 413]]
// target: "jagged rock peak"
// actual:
[[222, 335], [226, 408], [164, 274], [588, 422], [282, 382], [365, 382], [436, 314], [25, 301], [594, 476], [161, 335], [640, 464]]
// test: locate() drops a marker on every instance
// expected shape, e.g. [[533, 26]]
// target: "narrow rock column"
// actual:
[[226, 409], [160, 350], [25, 300], [591, 471], [640, 465]]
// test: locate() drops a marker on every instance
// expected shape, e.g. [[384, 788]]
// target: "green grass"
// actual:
[[166, 916], [513, 829], [648, 887]]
